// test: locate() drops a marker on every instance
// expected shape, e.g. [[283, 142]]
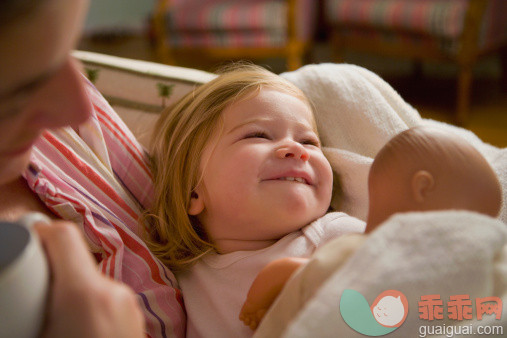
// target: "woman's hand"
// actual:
[[82, 301]]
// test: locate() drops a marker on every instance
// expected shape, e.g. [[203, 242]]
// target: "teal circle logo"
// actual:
[[386, 314]]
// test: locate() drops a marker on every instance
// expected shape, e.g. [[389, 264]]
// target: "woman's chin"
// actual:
[[12, 167]]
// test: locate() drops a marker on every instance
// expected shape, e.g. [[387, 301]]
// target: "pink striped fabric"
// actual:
[[226, 14], [98, 178], [236, 23], [441, 18], [438, 24]]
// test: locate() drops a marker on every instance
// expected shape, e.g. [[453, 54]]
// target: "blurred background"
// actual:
[[447, 58]]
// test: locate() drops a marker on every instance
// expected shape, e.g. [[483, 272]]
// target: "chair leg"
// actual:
[[503, 64], [337, 49], [294, 61], [164, 55], [294, 56], [463, 94], [417, 72]]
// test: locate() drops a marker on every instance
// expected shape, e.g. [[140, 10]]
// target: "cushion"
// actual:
[[426, 24], [494, 28], [98, 177], [232, 23], [219, 15], [442, 18]]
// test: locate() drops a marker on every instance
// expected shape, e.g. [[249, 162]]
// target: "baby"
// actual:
[[240, 181], [420, 169]]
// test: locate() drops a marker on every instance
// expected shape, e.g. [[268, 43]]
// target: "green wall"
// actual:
[[118, 14]]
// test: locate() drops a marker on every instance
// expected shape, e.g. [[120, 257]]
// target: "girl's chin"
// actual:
[[294, 203]]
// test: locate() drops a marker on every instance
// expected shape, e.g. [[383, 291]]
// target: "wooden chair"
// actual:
[[460, 31], [234, 29]]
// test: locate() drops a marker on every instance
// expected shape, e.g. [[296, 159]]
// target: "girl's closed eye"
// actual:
[[257, 134], [311, 141]]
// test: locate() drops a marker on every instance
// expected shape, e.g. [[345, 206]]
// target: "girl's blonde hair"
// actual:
[[181, 134]]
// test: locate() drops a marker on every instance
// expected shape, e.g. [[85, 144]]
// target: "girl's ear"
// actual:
[[196, 203], [422, 185]]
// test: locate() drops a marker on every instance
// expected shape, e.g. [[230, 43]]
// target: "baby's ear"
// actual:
[[196, 203], [422, 185]]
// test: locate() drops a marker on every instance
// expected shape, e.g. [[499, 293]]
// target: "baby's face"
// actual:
[[265, 176]]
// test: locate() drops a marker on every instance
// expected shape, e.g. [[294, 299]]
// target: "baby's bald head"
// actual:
[[425, 168]]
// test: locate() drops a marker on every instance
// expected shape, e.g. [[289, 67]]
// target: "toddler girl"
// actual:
[[240, 181]]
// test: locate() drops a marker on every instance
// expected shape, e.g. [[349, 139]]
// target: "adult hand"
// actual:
[[82, 301]]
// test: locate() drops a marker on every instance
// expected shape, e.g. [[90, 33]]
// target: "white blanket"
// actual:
[[445, 253], [357, 113], [419, 254]]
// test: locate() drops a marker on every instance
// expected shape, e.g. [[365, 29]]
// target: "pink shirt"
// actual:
[[215, 288]]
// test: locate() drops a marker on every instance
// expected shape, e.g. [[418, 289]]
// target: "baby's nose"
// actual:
[[293, 150]]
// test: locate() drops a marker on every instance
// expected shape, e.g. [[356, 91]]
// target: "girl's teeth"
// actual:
[[297, 179]]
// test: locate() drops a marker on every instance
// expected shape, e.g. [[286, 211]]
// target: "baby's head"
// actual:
[[237, 165], [425, 168]]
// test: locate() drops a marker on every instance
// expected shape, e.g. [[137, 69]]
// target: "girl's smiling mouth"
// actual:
[[292, 176], [295, 179]]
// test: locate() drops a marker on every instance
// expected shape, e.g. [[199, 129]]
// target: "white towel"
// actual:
[[419, 254]]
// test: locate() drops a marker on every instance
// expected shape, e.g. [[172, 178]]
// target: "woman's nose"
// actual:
[[63, 100], [293, 150]]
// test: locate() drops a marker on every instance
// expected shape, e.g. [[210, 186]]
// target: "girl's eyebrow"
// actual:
[[263, 120], [250, 121]]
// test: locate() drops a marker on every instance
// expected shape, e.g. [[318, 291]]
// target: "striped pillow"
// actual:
[[220, 15], [233, 23], [98, 178], [440, 18]]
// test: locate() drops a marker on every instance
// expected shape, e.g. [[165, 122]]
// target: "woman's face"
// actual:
[[40, 87]]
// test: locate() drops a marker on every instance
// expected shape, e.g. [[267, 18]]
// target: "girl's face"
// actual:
[[264, 176], [40, 87]]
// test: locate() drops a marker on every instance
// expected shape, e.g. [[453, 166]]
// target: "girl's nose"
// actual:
[[293, 150]]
